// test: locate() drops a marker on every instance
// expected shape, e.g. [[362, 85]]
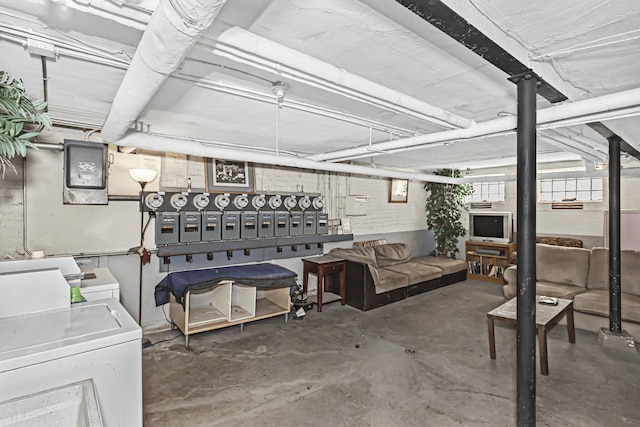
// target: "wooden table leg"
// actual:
[[542, 345], [305, 276], [343, 285], [571, 330], [492, 338], [320, 274]]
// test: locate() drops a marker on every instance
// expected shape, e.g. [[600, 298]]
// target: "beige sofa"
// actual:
[[583, 275], [382, 274]]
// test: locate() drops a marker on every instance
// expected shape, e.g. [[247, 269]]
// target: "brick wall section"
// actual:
[[11, 202]]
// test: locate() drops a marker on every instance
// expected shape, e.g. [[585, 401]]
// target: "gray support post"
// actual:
[[615, 296], [526, 325]]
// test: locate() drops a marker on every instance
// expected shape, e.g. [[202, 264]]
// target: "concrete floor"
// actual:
[[419, 362]]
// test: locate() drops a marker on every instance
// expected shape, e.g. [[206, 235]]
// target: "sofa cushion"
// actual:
[[415, 271], [630, 261], [387, 280], [597, 302], [558, 290], [559, 264], [364, 255], [448, 265], [391, 254], [598, 269]]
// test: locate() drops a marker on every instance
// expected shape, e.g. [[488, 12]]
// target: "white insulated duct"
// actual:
[[243, 46], [196, 148], [567, 114], [172, 31]]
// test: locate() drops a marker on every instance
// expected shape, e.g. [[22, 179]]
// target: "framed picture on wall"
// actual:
[[399, 190], [230, 176]]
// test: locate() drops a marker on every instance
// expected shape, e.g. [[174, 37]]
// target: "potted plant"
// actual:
[[21, 120], [443, 208]]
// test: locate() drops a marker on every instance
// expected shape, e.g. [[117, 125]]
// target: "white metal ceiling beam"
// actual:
[[173, 29], [557, 116], [248, 48]]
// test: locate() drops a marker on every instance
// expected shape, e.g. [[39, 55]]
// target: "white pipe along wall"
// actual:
[[172, 31], [197, 148]]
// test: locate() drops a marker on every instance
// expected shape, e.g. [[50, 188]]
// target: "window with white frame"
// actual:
[[570, 189], [487, 192]]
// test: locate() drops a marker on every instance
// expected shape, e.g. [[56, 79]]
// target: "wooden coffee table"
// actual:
[[547, 316]]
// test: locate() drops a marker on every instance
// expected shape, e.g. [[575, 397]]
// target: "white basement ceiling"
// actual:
[[586, 50]]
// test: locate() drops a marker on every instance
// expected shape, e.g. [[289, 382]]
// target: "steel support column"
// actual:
[[615, 297], [526, 222]]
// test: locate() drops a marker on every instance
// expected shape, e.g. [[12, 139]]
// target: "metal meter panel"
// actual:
[[323, 223], [249, 228], [258, 201], [309, 225], [265, 224], [167, 224], [211, 226], [290, 202], [304, 203], [295, 224], [153, 201], [190, 227], [231, 226], [317, 203], [201, 201], [281, 223], [275, 202], [221, 201], [85, 173], [179, 201]]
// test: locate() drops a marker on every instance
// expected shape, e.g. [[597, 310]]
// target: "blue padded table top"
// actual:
[[264, 275]]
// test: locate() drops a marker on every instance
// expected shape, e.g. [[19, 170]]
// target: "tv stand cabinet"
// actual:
[[487, 261]]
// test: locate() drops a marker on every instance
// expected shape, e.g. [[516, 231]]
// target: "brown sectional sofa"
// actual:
[[379, 275], [583, 275]]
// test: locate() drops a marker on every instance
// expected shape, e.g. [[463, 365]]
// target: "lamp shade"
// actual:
[[143, 175]]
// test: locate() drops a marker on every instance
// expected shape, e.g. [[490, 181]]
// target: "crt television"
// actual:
[[495, 227]]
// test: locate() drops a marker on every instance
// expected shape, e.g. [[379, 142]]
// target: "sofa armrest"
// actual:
[[511, 275]]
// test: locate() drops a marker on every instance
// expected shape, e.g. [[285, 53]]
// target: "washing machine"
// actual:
[[49, 344]]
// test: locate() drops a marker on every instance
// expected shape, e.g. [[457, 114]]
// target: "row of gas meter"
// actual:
[[208, 217]]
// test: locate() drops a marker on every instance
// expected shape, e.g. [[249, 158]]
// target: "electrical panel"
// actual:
[[265, 224], [211, 226], [249, 228], [188, 218], [309, 223], [85, 173], [190, 227], [167, 224]]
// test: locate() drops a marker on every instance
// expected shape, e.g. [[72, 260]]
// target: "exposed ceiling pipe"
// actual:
[[559, 115], [243, 46], [569, 144], [173, 29], [196, 148], [134, 16]]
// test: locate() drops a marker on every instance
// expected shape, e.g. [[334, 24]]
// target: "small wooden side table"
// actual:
[[323, 266]]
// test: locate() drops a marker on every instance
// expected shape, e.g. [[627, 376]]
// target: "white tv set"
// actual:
[[489, 226]]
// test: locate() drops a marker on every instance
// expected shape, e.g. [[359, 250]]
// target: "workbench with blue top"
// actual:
[[207, 299]]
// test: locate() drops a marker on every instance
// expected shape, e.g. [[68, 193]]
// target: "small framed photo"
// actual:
[[399, 190], [229, 176]]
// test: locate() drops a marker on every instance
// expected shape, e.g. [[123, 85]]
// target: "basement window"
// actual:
[[571, 189], [487, 192]]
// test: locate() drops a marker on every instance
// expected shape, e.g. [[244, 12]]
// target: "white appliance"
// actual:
[[103, 285], [47, 344]]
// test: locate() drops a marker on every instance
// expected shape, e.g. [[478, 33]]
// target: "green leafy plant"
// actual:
[[20, 117], [444, 206]]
